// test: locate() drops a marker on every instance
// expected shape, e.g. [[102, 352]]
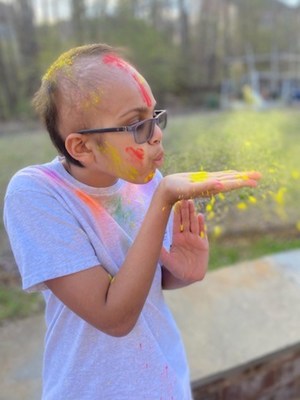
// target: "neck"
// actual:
[[90, 178]]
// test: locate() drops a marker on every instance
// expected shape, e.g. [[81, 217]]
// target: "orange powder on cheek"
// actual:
[[118, 62]]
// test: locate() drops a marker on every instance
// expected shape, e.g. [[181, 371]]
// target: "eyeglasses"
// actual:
[[142, 131]]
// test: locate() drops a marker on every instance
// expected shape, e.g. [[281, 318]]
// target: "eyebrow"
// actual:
[[137, 109]]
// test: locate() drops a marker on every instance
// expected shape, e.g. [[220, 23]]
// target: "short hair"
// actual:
[[46, 99]]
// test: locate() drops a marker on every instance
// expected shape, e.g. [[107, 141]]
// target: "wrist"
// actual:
[[166, 194]]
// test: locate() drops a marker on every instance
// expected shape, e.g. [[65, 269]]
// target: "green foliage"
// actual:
[[229, 252], [150, 50]]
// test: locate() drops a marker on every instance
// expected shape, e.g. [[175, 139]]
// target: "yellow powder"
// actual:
[[63, 61], [198, 176]]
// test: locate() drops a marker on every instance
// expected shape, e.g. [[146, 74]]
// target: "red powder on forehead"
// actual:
[[118, 62], [143, 90]]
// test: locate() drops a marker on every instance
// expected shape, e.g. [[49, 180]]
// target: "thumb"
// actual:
[[164, 256]]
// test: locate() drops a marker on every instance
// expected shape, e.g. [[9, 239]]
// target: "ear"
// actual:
[[78, 147]]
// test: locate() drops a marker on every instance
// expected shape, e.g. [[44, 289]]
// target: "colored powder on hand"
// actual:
[[244, 177], [198, 176]]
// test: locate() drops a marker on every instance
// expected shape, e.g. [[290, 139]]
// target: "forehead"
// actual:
[[106, 83], [130, 71], [113, 80]]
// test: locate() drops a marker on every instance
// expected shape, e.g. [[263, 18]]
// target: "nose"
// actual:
[[157, 135]]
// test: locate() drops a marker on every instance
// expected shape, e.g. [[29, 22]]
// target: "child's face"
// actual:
[[126, 98]]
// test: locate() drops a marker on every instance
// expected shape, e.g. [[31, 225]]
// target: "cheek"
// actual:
[[136, 155], [117, 160], [111, 153]]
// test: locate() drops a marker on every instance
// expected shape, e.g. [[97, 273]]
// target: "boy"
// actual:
[[90, 230]]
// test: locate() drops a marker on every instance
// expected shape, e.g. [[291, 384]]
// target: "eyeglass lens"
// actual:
[[145, 129]]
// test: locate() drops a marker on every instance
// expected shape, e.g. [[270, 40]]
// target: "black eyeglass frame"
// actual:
[[133, 128]]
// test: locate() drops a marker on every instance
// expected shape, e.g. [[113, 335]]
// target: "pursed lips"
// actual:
[[159, 157]]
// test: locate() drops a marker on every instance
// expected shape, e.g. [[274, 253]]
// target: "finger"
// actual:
[[232, 184], [254, 175], [194, 226], [202, 226], [223, 175], [233, 173], [205, 188], [185, 216], [177, 218]]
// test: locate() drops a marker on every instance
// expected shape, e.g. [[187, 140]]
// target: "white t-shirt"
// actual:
[[58, 226]]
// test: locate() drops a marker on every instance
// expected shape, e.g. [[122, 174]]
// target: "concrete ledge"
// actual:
[[240, 313]]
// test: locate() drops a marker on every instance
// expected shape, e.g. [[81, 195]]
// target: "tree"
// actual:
[[78, 18], [28, 46]]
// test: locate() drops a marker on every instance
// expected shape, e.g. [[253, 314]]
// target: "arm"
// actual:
[[114, 307]]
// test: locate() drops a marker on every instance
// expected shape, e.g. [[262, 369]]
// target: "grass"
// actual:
[[14, 303], [268, 218], [225, 253], [266, 141]]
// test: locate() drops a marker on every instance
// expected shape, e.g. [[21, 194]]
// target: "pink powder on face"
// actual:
[[118, 62]]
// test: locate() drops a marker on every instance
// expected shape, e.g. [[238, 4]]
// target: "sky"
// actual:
[[62, 8], [291, 2]]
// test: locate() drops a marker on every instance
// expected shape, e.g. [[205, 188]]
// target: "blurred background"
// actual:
[[194, 53], [227, 70]]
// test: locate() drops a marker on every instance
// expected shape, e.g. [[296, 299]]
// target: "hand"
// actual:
[[189, 185], [188, 256]]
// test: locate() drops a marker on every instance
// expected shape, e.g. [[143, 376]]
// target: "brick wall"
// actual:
[[273, 377]]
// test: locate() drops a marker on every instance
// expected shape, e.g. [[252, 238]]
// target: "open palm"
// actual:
[[188, 257]]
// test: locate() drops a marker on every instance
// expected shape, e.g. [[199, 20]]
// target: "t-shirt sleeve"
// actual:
[[46, 239]]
